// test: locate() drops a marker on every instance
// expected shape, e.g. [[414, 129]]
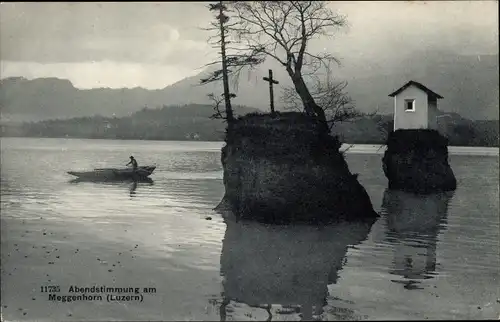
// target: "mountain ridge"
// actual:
[[469, 85]]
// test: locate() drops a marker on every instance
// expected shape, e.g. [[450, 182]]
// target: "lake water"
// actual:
[[433, 257]]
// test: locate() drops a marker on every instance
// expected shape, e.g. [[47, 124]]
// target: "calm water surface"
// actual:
[[433, 257]]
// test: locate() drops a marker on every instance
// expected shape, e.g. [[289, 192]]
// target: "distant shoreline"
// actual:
[[357, 147], [194, 123], [112, 139]]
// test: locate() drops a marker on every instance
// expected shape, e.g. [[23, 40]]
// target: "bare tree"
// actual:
[[331, 96], [217, 100], [282, 30]]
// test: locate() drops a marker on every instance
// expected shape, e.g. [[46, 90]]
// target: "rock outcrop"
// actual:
[[286, 168], [416, 160]]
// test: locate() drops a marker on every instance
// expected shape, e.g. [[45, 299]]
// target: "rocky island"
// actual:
[[286, 168], [416, 160]]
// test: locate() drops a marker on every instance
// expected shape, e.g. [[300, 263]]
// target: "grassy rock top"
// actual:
[[283, 119], [290, 136], [271, 126], [405, 140]]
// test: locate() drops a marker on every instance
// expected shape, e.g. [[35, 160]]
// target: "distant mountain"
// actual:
[[47, 98], [469, 84]]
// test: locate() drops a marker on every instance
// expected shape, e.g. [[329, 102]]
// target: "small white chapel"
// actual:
[[415, 107]]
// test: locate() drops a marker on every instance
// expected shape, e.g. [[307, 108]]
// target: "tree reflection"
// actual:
[[413, 225], [282, 270]]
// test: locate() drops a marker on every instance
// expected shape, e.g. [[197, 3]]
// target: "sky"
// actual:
[[152, 45]]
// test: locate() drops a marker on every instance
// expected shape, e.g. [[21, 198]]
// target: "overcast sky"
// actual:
[[153, 45]]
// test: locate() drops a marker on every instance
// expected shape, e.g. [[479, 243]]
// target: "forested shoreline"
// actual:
[[193, 122]]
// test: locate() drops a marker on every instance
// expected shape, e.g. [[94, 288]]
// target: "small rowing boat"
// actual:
[[110, 174]]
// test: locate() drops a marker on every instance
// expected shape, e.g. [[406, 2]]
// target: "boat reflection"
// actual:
[[413, 225], [132, 183], [133, 187], [282, 272]]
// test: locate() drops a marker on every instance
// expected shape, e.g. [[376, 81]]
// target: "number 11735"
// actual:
[[50, 289]]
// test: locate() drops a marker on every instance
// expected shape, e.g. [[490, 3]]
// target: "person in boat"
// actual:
[[133, 162]]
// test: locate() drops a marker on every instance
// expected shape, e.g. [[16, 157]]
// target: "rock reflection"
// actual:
[[282, 271], [413, 224]]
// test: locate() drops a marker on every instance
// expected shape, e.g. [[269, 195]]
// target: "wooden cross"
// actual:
[[271, 92]]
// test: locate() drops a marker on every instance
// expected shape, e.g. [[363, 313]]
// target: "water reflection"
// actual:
[[132, 183], [413, 224], [282, 271], [133, 187]]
